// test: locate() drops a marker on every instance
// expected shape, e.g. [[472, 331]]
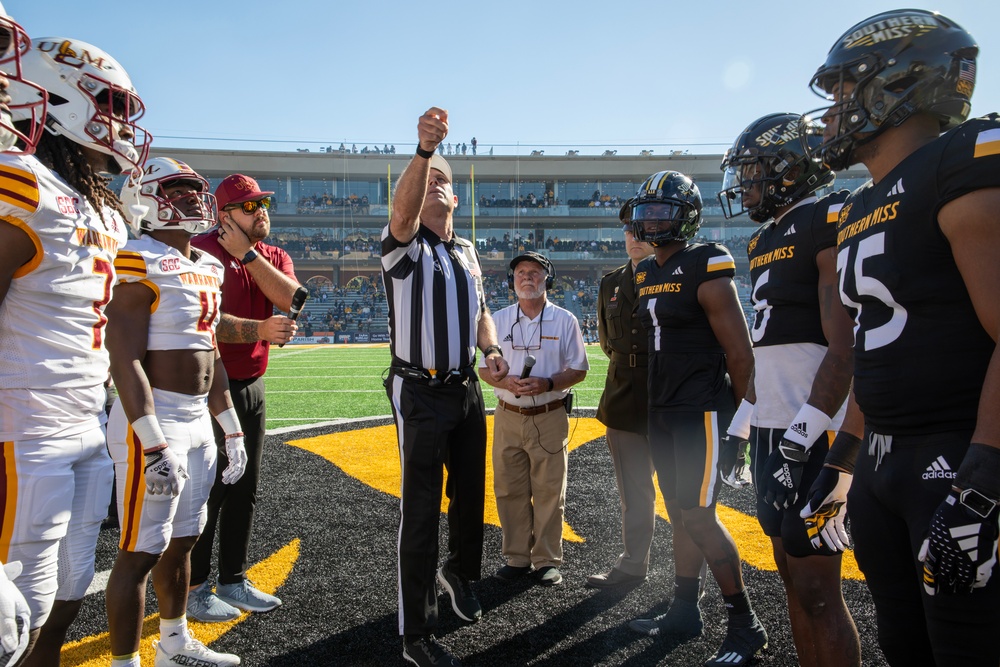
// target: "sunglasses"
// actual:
[[250, 207]]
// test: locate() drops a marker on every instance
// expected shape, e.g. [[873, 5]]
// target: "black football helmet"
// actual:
[[670, 199], [902, 62], [770, 157]]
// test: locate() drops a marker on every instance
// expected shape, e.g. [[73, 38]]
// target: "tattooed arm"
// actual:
[[277, 329]]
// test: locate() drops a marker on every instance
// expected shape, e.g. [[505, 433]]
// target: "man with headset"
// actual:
[[531, 422]]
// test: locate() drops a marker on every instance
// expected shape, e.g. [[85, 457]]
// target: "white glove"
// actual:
[[15, 620], [826, 510], [236, 452], [164, 472]]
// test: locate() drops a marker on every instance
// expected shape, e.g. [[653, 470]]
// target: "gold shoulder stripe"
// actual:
[[721, 264], [36, 259], [19, 188], [987, 143]]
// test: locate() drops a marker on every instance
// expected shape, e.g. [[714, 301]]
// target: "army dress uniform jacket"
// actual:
[[625, 400]]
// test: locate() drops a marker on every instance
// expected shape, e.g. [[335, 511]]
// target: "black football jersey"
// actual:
[[687, 365], [920, 352], [783, 272]]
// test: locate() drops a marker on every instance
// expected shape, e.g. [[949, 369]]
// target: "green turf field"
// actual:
[[317, 384]]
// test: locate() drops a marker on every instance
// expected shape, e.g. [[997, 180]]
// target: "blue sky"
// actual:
[[517, 75]]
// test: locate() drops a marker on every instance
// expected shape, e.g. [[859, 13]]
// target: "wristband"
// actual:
[[230, 422], [249, 257], [427, 155], [150, 436], [980, 470], [844, 452], [807, 426], [552, 385], [740, 425], [491, 349]]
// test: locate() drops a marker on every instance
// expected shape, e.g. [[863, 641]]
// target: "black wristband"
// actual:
[[844, 451], [427, 155], [980, 470], [552, 385], [491, 349], [249, 257]]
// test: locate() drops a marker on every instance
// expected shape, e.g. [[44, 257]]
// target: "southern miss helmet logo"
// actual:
[[778, 135], [886, 30]]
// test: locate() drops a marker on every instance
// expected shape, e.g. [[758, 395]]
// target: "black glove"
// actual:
[[733, 461], [782, 474], [961, 547]]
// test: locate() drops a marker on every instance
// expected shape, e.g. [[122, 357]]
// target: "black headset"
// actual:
[[550, 275]]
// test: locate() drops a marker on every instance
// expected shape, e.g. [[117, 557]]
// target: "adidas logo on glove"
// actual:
[[784, 476], [939, 469]]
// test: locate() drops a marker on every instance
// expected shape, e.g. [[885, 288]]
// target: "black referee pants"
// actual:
[[437, 427], [231, 506]]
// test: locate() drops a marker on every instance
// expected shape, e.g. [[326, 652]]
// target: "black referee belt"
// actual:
[[432, 378], [630, 360]]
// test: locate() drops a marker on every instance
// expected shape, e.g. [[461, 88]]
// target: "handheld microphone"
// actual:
[[298, 300], [529, 362]]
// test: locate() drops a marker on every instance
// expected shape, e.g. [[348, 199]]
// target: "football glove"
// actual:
[[826, 509], [15, 620], [733, 461], [237, 454], [782, 474], [961, 548], [164, 472]]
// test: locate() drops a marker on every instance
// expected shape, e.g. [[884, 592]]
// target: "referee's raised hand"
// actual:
[[432, 128]]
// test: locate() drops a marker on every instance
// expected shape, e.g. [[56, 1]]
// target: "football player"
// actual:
[[165, 363], [919, 263], [15, 621], [60, 229], [700, 360], [803, 359]]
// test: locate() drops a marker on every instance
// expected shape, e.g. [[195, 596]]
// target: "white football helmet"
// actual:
[[192, 213], [26, 97], [91, 99]]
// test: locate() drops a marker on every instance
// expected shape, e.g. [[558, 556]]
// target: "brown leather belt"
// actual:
[[632, 360], [532, 411]]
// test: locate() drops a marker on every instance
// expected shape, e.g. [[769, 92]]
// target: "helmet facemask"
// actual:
[[28, 101]]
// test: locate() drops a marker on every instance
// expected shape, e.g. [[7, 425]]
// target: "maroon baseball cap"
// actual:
[[237, 189]]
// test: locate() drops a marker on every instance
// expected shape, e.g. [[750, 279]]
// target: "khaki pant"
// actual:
[[529, 468]]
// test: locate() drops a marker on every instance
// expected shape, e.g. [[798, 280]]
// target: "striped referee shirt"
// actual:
[[434, 289]]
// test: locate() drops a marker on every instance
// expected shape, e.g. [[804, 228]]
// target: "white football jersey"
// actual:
[[186, 309], [53, 362]]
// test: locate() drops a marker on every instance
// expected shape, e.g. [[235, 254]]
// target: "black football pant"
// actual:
[[890, 505], [438, 428], [231, 506]]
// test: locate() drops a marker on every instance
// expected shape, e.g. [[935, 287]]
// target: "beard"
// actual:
[[530, 294]]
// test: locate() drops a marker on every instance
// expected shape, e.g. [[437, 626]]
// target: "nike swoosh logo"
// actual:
[[267, 575]]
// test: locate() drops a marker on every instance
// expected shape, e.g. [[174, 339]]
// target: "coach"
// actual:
[[437, 318]]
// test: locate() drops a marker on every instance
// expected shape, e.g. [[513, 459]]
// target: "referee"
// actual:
[[437, 319]]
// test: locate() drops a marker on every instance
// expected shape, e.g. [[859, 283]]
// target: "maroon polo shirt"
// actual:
[[242, 298]]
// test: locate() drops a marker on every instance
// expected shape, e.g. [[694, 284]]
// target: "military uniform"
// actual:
[[921, 356], [689, 389], [622, 408]]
